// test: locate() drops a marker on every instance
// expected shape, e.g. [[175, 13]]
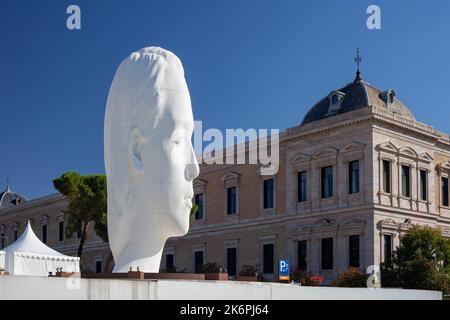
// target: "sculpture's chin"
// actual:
[[180, 219], [181, 229]]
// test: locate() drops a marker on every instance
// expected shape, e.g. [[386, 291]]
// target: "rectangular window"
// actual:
[[406, 187], [387, 248], [231, 261], [2, 240], [327, 182], [353, 177], [423, 185], [231, 200], [444, 191], [169, 262], [198, 262], [301, 192], [268, 193], [44, 233], [15, 235], [353, 251], [301, 256], [327, 253], [98, 266], [386, 176], [198, 199], [268, 259], [61, 231]]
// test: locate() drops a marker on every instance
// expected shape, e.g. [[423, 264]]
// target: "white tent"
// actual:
[[29, 256]]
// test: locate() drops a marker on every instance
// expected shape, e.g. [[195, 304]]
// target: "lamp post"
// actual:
[[433, 253]]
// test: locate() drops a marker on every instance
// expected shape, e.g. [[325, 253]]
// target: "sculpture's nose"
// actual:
[[192, 168]]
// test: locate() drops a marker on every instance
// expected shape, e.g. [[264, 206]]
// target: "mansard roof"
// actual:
[[356, 95], [9, 198]]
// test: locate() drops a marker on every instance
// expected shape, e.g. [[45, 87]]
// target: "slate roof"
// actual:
[[358, 94], [10, 199]]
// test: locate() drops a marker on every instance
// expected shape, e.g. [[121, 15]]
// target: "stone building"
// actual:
[[353, 177], [46, 216]]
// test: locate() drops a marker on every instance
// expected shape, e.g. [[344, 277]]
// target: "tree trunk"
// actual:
[[83, 239]]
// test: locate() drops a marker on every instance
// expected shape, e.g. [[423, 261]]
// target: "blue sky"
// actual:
[[248, 63]]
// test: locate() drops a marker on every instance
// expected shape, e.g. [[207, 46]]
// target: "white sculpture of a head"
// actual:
[[149, 159]]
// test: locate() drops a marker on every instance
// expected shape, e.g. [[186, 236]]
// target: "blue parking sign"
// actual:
[[283, 270]]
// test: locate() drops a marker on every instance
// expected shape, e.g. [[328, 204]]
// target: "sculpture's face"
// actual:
[[164, 164], [149, 159]]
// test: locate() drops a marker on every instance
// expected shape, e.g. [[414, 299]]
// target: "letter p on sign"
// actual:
[[283, 270]]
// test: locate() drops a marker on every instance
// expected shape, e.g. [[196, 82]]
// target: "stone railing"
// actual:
[[398, 118]]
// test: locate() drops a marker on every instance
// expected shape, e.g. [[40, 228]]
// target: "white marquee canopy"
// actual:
[[29, 256]]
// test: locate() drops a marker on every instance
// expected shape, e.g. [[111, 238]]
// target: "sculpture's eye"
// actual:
[[178, 137], [177, 142]]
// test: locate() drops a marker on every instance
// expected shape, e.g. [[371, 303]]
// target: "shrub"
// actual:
[[315, 280], [212, 267], [298, 276], [441, 282], [170, 270], [248, 271], [351, 278], [305, 279]]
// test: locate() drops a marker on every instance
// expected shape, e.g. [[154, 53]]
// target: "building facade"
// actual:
[[47, 217], [353, 177]]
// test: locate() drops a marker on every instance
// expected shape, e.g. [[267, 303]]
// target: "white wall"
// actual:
[[25, 287]]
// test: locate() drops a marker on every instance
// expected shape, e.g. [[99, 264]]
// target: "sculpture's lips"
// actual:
[[188, 202]]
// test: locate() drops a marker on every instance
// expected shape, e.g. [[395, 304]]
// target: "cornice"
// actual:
[[291, 217], [262, 221], [371, 114], [53, 198], [411, 213], [295, 136]]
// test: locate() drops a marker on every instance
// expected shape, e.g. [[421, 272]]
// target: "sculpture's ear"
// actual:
[[135, 141]]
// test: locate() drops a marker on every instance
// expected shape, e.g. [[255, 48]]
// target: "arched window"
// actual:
[[334, 99], [391, 97]]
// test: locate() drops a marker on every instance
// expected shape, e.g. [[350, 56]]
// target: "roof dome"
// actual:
[[356, 95], [10, 199]]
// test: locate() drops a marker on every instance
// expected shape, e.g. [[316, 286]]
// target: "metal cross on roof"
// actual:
[[358, 61], [358, 58]]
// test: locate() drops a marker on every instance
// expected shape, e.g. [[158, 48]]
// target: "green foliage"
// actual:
[[248, 271], [351, 278], [413, 264], [419, 243], [170, 270], [297, 275], [306, 279], [87, 203], [194, 209], [442, 283], [212, 267]]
